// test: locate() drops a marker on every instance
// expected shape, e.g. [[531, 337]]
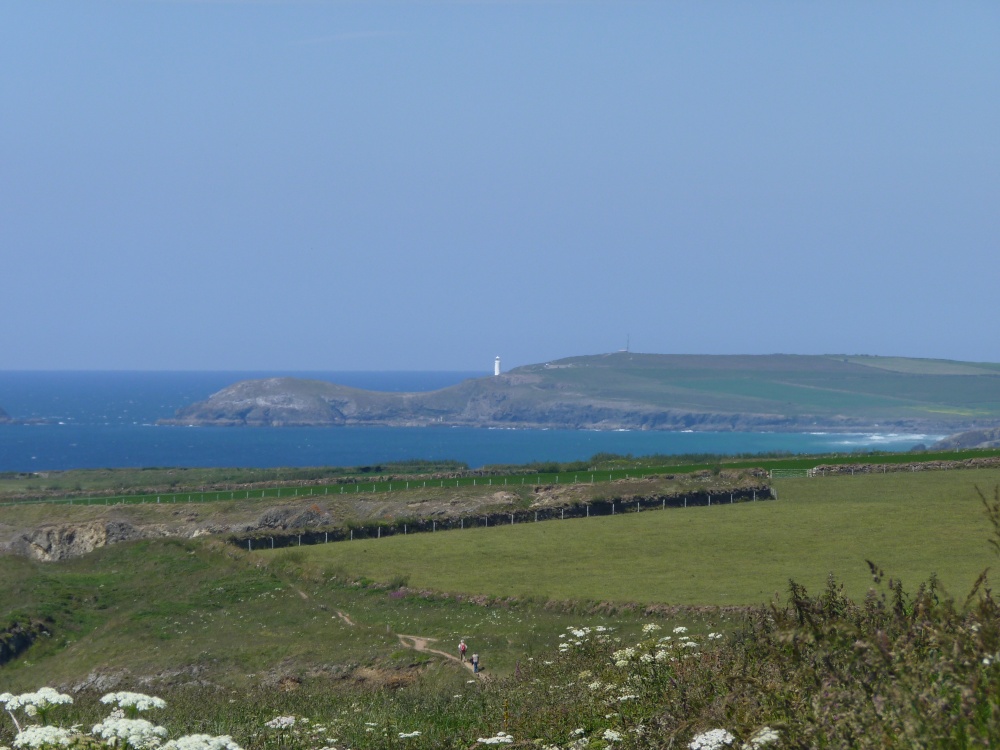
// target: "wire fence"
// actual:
[[594, 508]]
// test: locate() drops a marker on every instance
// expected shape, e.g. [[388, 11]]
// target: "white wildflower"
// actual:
[[762, 738], [135, 733], [649, 628], [41, 699], [280, 722], [133, 702], [501, 738], [713, 739], [690, 644], [714, 636], [661, 655], [202, 742], [646, 658], [611, 735], [408, 735], [577, 732], [595, 685], [43, 737], [680, 629]]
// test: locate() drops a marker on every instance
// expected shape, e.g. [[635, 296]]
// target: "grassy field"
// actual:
[[233, 638], [913, 525]]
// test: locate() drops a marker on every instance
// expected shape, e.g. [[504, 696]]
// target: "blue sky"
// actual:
[[332, 185]]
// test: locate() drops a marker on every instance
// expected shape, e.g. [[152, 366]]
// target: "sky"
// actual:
[[331, 185]]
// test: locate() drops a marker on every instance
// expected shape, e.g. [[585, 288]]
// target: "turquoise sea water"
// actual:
[[96, 420]]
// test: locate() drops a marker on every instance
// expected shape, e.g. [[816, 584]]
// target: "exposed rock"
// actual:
[[57, 542]]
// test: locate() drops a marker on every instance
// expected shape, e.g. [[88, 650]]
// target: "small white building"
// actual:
[[496, 366]]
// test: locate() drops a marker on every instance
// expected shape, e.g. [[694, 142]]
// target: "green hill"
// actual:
[[626, 390]]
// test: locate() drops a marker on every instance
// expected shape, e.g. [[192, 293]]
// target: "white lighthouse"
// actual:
[[496, 366]]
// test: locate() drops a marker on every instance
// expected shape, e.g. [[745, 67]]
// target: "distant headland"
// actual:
[[626, 390]]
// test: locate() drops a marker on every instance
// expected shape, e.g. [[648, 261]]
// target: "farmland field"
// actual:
[[912, 524]]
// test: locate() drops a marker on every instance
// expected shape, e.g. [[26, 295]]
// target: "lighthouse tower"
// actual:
[[496, 366]]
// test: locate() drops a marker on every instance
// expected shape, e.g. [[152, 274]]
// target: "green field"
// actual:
[[913, 525], [233, 638]]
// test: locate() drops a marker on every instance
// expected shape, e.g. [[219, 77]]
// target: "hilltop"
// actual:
[[627, 390]]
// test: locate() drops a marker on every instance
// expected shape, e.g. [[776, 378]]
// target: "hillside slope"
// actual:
[[647, 391]]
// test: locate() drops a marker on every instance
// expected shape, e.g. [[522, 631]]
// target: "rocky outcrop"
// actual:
[[60, 541]]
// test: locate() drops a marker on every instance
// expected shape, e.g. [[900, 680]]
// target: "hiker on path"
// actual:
[[475, 663], [461, 648]]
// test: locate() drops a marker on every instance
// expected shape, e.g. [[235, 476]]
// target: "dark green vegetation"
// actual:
[[232, 639], [649, 391]]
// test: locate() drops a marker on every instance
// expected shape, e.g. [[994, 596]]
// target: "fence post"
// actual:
[[249, 549], [272, 542]]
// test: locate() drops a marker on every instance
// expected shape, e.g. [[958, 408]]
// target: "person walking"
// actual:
[[475, 663], [461, 648]]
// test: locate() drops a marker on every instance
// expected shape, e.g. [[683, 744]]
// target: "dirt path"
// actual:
[[419, 643]]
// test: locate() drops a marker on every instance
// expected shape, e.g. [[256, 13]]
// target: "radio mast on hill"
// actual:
[[496, 366]]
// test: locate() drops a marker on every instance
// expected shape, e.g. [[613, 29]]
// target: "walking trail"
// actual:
[[418, 643]]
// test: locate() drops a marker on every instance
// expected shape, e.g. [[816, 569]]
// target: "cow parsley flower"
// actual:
[[762, 738], [713, 739], [133, 703], [43, 737], [501, 738], [135, 734], [611, 735], [280, 722], [680, 629], [202, 742], [650, 628], [41, 699]]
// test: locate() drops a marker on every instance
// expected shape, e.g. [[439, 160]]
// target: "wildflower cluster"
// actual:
[[121, 730], [301, 731]]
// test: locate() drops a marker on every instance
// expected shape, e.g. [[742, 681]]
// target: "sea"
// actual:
[[91, 420]]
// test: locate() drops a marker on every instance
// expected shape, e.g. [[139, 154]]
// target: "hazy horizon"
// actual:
[[230, 185]]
